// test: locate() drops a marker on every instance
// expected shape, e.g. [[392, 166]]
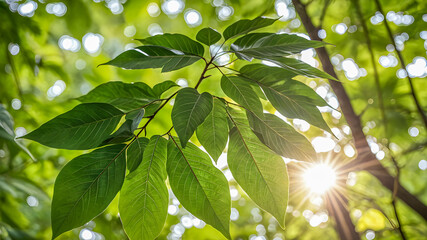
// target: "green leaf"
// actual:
[[124, 96], [125, 131], [189, 111], [6, 124], [162, 87], [242, 93], [291, 98], [268, 75], [298, 67], [84, 127], [208, 36], [175, 41], [253, 37], [86, 186], [245, 26], [144, 198], [213, 132], [135, 153], [282, 138], [145, 57], [199, 186], [260, 172], [282, 78], [272, 45]]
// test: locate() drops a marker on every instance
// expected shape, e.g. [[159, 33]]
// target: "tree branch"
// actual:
[[383, 115], [366, 160], [403, 65]]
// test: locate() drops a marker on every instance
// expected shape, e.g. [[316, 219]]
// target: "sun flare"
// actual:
[[319, 178]]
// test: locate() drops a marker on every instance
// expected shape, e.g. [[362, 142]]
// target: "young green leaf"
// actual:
[[199, 186], [189, 111], [213, 132], [144, 199], [145, 57], [245, 26], [86, 186], [272, 45], [162, 87], [258, 170], [280, 137], [242, 93], [84, 127], [208, 36], [125, 131], [124, 96], [135, 153], [175, 41]]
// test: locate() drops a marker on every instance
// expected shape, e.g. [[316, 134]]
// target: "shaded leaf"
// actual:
[[175, 41], [253, 37], [208, 36], [124, 96], [272, 45], [199, 186], [135, 153], [298, 67], [213, 132], [245, 26], [162, 87], [144, 198], [145, 57], [189, 111], [260, 172], [84, 127], [86, 186], [282, 138], [242, 93], [266, 74], [125, 131]]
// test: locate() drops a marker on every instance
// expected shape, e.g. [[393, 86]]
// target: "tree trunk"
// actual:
[[366, 160]]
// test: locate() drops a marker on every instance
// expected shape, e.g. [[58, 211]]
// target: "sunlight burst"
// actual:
[[319, 178]]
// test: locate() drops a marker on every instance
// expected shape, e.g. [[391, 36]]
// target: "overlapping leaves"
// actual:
[[88, 183]]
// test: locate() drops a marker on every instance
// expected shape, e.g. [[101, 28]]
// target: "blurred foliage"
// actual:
[[32, 62]]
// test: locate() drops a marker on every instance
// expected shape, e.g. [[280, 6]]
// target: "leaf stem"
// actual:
[[202, 76]]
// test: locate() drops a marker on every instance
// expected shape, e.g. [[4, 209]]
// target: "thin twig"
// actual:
[[324, 10], [15, 73], [383, 115], [202, 76], [403, 65]]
